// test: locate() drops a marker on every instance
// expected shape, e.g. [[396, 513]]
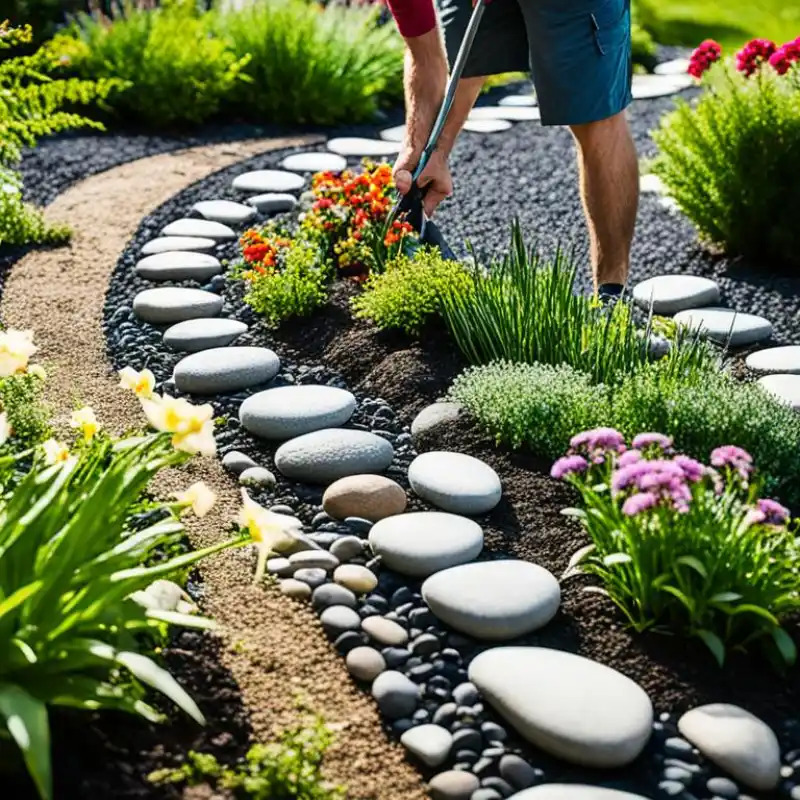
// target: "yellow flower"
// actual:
[[5, 428], [37, 370], [199, 497], [16, 348], [192, 426], [140, 383], [55, 451], [268, 530], [85, 420]]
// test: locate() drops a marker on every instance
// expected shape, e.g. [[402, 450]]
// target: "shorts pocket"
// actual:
[[611, 24]]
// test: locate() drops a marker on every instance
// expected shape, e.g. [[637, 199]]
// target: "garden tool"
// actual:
[[410, 204]]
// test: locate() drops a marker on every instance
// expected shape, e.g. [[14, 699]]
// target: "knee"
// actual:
[[602, 133]]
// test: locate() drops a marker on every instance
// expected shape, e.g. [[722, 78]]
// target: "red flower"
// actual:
[[255, 253], [753, 55], [783, 58], [703, 57]]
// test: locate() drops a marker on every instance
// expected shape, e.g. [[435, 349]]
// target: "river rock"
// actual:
[[455, 482], [289, 411], [396, 695], [784, 388], [574, 791], [332, 594], [356, 578], [719, 324], [268, 180], [203, 228], [166, 243], [518, 772], [371, 497], [273, 202], [365, 663], [177, 265], [676, 66], [646, 87], [314, 162], [237, 462], [295, 589], [385, 631], [338, 619], [567, 705], [431, 744], [319, 559], [225, 369], [525, 100], [194, 335], [225, 211], [487, 125], [280, 567], [327, 455], [776, 359], [169, 304], [513, 113], [434, 415], [356, 146], [670, 294], [421, 543], [257, 476], [494, 600], [347, 548], [453, 785], [737, 741]]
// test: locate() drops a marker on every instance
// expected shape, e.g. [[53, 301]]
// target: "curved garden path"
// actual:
[[274, 647]]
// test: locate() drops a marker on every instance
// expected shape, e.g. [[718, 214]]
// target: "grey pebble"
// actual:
[[518, 772], [332, 594], [237, 462], [349, 640], [425, 645], [257, 476], [678, 774], [314, 559], [671, 788], [280, 567], [395, 656], [486, 794], [453, 785], [491, 731], [499, 785], [339, 619], [467, 739], [465, 694], [445, 715], [358, 524], [395, 694], [313, 577], [467, 756], [723, 787], [482, 765], [295, 589], [347, 548], [282, 509], [365, 663]]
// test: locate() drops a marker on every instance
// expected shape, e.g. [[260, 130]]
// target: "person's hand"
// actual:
[[436, 176]]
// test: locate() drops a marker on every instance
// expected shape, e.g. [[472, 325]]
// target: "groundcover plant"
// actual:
[[726, 158], [682, 546]]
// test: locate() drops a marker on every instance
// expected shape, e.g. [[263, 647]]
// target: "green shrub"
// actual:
[[179, 72], [26, 414], [536, 405], [20, 222], [409, 293], [312, 65], [725, 160], [685, 548]]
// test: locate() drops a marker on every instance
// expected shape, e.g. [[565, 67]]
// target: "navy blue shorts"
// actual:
[[577, 51]]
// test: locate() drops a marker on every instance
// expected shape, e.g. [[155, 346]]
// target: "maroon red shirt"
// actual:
[[413, 17]]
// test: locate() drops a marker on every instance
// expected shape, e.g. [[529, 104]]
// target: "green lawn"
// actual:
[[730, 22]]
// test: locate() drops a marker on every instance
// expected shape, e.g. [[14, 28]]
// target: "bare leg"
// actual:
[[609, 183]]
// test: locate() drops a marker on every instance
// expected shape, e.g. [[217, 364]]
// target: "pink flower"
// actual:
[[750, 58], [659, 440], [629, 457], [599, 439], [774, 513], [569, 465], [783, 58], [731, 456], [637, 503], [692, 470], [703, 57]]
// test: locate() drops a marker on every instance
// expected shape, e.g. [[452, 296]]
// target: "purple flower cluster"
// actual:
[[569, 465], [593, 447], [733, 459], [644, 441], [654, 481]]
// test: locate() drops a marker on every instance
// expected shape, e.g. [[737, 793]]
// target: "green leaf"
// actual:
[[725, 597], [714, 644], [27, 723], [749, 608], [695, 564], [686, 601], [616, 558], [186, 620], [785, 644], [19, 597]]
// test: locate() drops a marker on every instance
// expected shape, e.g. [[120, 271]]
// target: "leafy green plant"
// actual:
[[288, 769], [22, 223], [312, 65], [26, 415], [725, 158], [409, 292], [682, 547], [178, 71]]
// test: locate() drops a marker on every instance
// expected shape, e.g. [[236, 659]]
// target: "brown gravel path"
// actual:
[[275, 648]]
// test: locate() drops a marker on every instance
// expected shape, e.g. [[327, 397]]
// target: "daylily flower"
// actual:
[[16, 348], [85, 420], [198, 497], [141, 383], [55, 451], [267, 529], [192, 426]]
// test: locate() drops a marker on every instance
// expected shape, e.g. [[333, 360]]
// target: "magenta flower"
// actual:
[[569, 465], [629, 457], [785, 56], [750, 58], [637, 503], [732, 456], [692, 470], [659, 440], [774, 513], [703, 57], [599, 439], [629, 475]]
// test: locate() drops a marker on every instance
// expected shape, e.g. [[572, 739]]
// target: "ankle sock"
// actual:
[[610, 290]]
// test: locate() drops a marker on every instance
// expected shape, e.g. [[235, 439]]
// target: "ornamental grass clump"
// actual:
[[727, 159], [685, 547]]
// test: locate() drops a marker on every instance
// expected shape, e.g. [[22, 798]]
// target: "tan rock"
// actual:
[[371, 497]]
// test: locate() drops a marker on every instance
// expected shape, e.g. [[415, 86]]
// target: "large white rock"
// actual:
[[225, 369], [395, 134], [290, 411], [487, 125], [574, 791], [164, 244], [273, 202], [455, 482], [429, 743], [735, 740], [776, 359], [199, 228], [177, 265], [515, 113], [677, 66], [785, 388], [327, 455], [194, 335], [268, 180], [314, 162], [423, 542], [721, 323], [517, 100], [225, 211], [169, 304], [670, 294], [356, 146], [494, 600], [567, 705], [645, 87]]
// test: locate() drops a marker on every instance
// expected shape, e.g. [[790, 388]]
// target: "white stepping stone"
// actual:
[[289, 411], [487, 125], [225, 369], [670, 294], [517, 100], [723, 325], [268, 180], [494, 600], [421, 543], [650, 183], [646, 87], [669, 204], [165, 244], [178, 265], [195, 335], [169, 304], [677, 66], [429, 743], [574, 791], [517, 114], [784, 359], [565, 704], [273, 202], [314, 162], [737, 741], [199, 227], [225, 211], [455, 482], [396, 134], [785, 388], [356, 146], [327, 455]]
